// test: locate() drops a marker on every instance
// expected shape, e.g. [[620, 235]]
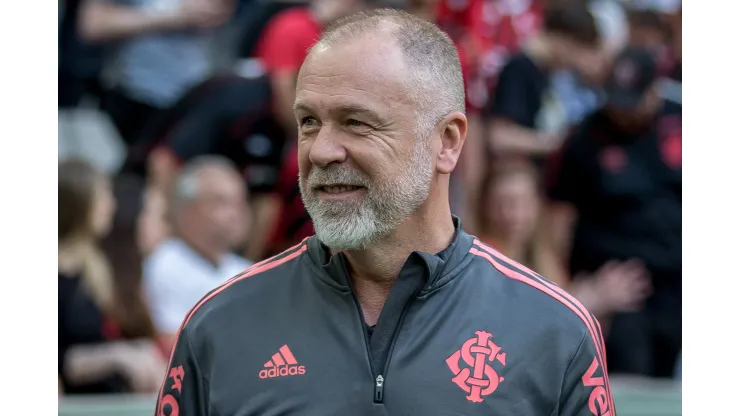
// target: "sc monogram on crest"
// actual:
[[479, 378]]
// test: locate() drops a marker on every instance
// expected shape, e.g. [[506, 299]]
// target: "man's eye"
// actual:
[[356, 123], [309, 122]]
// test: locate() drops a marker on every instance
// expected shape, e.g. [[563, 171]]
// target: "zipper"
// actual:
[[399, 300], [379, 380]]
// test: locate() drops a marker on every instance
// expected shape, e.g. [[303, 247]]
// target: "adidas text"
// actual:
[[288, 370]]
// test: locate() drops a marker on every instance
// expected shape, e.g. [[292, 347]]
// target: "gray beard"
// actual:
[[356, 225]]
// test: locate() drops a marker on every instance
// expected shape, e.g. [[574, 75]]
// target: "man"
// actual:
[[526, 117], [619, 181], [227, 115], [210, 217], [163, 49], [365, 318]]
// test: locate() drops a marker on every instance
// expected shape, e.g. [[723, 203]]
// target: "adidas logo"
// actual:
[[283, 363]]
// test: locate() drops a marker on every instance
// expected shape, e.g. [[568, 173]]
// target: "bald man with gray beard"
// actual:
[[391, 308]]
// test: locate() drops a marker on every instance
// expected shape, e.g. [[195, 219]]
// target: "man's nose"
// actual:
[[327, 148]]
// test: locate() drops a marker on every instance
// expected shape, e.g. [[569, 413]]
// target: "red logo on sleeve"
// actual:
[[477, 353], [598, 401], [169, 401]]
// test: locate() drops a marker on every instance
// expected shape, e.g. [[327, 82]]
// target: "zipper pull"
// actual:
[[379, 389]]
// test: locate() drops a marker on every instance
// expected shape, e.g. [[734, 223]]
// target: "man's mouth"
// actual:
[[339, 188]]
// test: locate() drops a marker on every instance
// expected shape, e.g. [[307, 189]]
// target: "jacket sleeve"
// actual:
[[586, 390], [184, 391]]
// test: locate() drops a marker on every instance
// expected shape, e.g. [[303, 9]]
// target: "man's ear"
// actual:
[[452, 129]]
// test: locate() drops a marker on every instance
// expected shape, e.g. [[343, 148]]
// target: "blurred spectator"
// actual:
[[487, 33], [139, 226], [513, 222], [254, 21], [162, 49], [511, 218], [105, 334], [579, 93], [619, 181], [526, 117], [230, 116], [210, 215]]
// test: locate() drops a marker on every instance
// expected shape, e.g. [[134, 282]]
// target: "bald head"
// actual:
[[200, 175], [210, 205], [432, 75]]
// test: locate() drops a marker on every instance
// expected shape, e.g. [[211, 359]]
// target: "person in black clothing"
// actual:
[[525, 117], [230, 116], [620, 174], [105, 334], [79, 62], [392, 308], [159, 50]]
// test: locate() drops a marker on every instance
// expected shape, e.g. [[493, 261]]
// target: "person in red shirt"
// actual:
[[285, 41], [487, 33], [281, 49]]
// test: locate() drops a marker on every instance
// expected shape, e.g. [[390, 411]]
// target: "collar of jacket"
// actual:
[[436, 269]]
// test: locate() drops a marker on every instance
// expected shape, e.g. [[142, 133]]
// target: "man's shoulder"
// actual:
[[530, 294], [247, 290]]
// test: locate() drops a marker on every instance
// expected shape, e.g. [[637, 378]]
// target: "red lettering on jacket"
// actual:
[[176, 374], [598, 402]]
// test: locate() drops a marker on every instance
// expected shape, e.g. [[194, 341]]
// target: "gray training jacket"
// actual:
[[463, 332]]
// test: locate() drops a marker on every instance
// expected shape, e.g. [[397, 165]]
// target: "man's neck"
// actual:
[[373, 271]]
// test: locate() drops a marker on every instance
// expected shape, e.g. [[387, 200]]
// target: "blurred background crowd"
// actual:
[[177, 163]]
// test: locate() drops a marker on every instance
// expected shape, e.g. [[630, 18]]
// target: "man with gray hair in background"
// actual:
[[392, 308], [209, 210]]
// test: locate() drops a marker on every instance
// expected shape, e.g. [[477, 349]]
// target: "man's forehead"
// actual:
[[369, 66]]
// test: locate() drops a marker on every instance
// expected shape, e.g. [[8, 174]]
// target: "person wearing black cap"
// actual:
[[620, 174]]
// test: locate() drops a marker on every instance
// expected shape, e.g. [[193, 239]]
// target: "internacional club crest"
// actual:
[[477, 377]]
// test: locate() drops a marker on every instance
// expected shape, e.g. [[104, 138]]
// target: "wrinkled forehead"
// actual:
[[367, 71]]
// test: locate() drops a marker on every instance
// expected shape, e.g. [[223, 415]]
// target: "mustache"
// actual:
[[336, 175]]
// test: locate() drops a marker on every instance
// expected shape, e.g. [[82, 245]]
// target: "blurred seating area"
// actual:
[[178, 168]]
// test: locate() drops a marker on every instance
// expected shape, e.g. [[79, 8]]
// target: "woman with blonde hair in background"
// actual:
[[105, 339], [511, 219]]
